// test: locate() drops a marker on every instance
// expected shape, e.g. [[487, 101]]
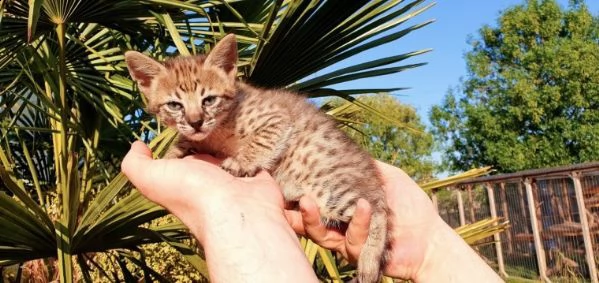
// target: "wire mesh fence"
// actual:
[[553, 215]]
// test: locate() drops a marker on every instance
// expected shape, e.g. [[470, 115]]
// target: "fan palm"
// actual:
[[69, 111]]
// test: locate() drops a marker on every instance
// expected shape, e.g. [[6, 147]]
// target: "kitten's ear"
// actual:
[[224, 56], [143, 69]]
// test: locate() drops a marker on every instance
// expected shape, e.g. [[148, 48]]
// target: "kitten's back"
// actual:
[[322, 162]]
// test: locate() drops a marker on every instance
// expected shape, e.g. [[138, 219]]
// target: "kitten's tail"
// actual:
[[373, 254]]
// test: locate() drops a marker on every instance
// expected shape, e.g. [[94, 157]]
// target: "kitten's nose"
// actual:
[[196, 124]]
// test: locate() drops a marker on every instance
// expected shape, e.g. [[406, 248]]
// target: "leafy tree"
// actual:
[[405, 144], [531, 96]]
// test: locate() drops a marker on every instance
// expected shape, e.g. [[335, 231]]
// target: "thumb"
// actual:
[[263, 175], [138, 165], [357, 230], [138, 154]]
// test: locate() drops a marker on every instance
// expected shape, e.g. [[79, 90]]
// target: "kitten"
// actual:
[[275, 130]]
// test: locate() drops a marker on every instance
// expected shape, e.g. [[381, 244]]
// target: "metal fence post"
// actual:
[[540, 251], [496, 237], [586, 234]]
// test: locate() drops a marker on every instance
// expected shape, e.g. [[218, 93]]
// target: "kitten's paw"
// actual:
[[239, 169], [174, 153]]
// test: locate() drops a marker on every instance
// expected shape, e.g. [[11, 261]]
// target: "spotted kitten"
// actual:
[[275, 130]]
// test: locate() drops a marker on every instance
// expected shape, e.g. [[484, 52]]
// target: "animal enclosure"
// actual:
[[553, 215]]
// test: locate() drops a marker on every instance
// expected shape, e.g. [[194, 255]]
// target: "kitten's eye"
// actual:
[[209, 100], [174, 106]]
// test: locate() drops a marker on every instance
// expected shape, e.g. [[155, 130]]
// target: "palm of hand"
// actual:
[[168, 182]]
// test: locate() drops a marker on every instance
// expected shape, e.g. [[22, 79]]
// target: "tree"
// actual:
[[406, 145], [531, 96]]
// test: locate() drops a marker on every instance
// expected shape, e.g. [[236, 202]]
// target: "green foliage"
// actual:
[[160, 257], [405, 144], [532, 92]]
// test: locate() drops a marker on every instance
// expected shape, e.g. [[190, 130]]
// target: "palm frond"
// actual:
[[475, 232], [473, 173]]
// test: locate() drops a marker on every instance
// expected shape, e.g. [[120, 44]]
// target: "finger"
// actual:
[[262, 175], [142, 170], [294, 218], [357, 230], [206, 171], [394, 176], [141, 148], [135, 161], [311, 220], [400, 189], [389, 172]]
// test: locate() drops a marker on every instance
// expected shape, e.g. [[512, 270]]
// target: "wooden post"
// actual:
[[435, 200], [540, 251], [461, 207], [496, 236], [586, 234]]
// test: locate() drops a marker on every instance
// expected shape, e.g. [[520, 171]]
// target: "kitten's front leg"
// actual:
[[239, 169], [174, 152], [178, 149], [260, 150]]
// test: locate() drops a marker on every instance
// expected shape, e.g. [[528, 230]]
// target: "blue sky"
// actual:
[[454, 22]]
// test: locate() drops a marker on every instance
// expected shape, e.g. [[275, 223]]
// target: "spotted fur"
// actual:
[[275, 130]]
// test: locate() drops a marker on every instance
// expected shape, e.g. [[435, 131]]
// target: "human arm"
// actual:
[[424, 248], [239, 221]]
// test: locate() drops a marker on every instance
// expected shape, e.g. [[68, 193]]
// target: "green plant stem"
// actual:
[[62, 227]]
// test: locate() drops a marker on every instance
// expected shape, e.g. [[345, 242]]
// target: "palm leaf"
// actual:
[[473, 173], [475, 232]]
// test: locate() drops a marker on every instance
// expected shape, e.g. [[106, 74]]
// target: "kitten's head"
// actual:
[[194, 94]]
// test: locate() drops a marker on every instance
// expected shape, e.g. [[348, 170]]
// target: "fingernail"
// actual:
[[363, 204], [302, 209]]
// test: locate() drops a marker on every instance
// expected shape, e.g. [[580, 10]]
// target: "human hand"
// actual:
[[195, 188], [239, 221], [414, 223]]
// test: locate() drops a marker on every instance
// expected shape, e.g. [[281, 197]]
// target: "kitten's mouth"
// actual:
[[196, 135], [199, 133], [193, 133]]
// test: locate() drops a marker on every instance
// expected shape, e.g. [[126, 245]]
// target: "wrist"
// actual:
[[216, 215], [437, 256], [440, 262], [246, 239]]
